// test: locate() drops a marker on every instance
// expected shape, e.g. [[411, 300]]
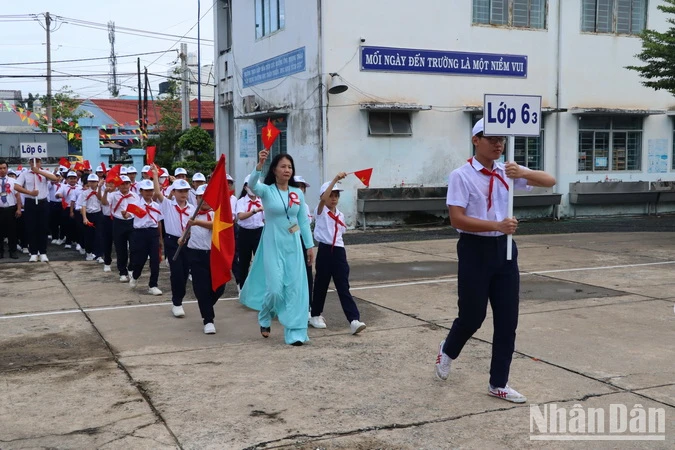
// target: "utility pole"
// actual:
[[185, 88], [199, 66], [140, 92], [145, 106], [48, 25]]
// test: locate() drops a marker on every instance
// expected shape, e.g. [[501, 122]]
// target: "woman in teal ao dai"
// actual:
[[277, 282]]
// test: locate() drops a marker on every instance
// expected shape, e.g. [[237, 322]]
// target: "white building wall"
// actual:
[[587, 71]]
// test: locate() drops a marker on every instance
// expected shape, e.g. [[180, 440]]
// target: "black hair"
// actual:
[[270, 178], [2, 161], [243, 191]]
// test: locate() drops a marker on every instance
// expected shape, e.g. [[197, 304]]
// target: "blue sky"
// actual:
[[24, 41]]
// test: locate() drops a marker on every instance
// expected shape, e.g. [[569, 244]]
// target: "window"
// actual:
[[609, 143], [279, 145], [270, 16], [513, 13], [528, 151], [389, 123], [614, 16]]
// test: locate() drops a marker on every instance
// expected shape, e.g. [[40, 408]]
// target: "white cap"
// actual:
[[180, 184], [131, 169], [123, 171], [299, 179], [125, 179], [99, 169], [229, 178], [246, 179], [11, 172], [198, 177], [179, 171], [63, 169], [146, 185], [478, 128], [201, 189], [146, 169], [92, 177], [164, 172], [325, 186], [71, 174]]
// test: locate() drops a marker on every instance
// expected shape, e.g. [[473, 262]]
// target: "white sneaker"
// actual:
[[55, 241], [132, 282], [507, 393], [357, 326], [317, 322], [209, 328], [59, 241], [99, 260], [106, 268], [67, 246], [190, 277], [78, 247], [154, 291], [43, 258], [49, 236], [124, 278], [82, 251], [442, 363], [178, 311], [18, 248], [25, 251], [33, 258], [90, 257]]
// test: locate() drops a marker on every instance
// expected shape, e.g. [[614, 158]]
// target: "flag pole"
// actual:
[[187, 230], [509, 157]]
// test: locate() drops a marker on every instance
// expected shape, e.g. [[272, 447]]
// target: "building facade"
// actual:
[[416, 74]]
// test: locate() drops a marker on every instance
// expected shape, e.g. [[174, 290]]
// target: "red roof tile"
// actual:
[[126, 111]]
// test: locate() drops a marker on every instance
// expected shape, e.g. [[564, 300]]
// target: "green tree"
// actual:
[[198, 148], [658, 54], [169, 128], [65, 115]]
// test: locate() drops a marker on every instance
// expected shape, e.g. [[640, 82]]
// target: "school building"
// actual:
[[397, 85]]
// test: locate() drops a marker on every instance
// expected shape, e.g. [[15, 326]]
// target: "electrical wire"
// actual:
[[84, 59]]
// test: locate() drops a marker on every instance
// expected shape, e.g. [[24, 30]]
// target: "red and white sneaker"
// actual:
[[507, 393], [442, 363]]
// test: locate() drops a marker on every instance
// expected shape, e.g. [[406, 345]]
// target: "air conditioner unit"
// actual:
[[250, 105]]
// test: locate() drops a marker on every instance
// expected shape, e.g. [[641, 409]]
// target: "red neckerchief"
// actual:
[[120, 202], [149, 208], [182, 211], [492, 174], [252, 203], [91, 194], [337, 220], [133, 186], [207, 214], [39, 177]]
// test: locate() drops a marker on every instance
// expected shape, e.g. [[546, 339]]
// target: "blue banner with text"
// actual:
[[388, 59], [273, 68]]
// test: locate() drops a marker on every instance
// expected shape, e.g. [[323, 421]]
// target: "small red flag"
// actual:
[[103, 167], [150, 154], [79, 167], [64, 162], [364, 175], [19, 167], [64, 203], [269, 134], [114, 176], [136, 210], [217, 195], [86, 165], [91, 224]]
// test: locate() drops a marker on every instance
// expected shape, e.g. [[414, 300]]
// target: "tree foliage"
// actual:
[[658, 54], [198, 146], [64, 115], [169, 128]]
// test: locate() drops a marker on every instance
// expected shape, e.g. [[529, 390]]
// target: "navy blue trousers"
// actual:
[[247, 245], [55, 228], [122, 231], [144, 244], [485, 274], [180, 270], [200, 266], [93, 236], [107, 239], [36, 219], [332, 263]]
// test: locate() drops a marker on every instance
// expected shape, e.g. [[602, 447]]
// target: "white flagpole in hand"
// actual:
[[509, 157]]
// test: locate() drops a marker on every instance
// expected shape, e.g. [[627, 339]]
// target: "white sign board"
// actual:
[[512, 115], [31, 150]]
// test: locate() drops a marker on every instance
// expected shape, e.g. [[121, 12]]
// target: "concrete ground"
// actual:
[[85, 362]]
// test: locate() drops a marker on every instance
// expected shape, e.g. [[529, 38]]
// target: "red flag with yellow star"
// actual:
[[217, 195], [364, 175], [269, 134]]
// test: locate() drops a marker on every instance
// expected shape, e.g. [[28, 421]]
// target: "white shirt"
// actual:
[[133, 188], [233, 207], [70, 193], [175, 222], [117, 205], [200, 237], [246, 204], [151, 219], [31, 181], [53, 189], [468, 188], [9, 193], [325, 229], [89, 200]]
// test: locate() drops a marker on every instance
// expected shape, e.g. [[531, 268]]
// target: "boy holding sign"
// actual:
[[478, 202]]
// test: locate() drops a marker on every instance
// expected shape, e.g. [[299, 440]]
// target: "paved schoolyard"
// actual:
[[87, 363]]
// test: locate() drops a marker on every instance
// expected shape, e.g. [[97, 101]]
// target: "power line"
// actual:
[[85, 59]]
